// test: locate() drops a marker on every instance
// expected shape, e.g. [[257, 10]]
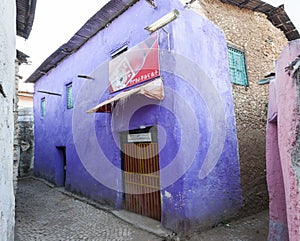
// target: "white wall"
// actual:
[[7, 79]]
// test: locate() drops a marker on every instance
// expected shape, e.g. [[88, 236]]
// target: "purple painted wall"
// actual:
[[283, 149], [200, 177]]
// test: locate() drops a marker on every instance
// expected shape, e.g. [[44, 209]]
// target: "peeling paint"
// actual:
[[283, 146], [168, 195]]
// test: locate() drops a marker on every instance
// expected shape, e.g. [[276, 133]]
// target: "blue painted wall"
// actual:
[[200, 175]]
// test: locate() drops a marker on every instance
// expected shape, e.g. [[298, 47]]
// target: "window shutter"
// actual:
[[237, 66], [69, 96]]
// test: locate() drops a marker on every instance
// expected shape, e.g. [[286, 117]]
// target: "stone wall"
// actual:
[[262, 43], [7, 81], [25, 123]]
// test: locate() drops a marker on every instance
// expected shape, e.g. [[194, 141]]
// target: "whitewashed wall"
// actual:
[[7, 80]]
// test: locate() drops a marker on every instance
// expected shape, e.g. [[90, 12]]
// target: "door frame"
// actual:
[[147, 204]]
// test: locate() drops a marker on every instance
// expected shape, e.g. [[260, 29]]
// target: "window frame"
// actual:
[[43, 107], [241, 69], [69, 96]]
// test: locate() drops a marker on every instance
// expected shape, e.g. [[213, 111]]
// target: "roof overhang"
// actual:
[[276, 15], [115, 8], [153, 90], [99, 21], [25, 17], [22, 57]]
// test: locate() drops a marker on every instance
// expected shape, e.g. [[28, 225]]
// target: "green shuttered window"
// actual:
[[43, 111], [237, 66], [69, 96]]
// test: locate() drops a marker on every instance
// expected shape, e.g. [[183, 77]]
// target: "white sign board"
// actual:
[[139, 137]]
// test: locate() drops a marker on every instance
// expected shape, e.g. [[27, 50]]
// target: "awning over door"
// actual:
[[152, 90]]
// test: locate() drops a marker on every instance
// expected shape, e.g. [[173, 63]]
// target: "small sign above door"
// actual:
[[139, 137]]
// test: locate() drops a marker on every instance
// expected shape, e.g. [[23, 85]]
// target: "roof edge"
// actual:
[[276, 15], [114, 8], [25, 17], [103, 17]]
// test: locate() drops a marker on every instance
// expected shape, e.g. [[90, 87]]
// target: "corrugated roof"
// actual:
[[277, 15], [114, 8], [25, 17]]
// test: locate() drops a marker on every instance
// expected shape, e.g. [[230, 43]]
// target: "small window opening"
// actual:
[[43, 109], [237, 66], [69, 90]]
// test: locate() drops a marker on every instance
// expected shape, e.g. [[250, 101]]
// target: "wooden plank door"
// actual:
[[141, 178]]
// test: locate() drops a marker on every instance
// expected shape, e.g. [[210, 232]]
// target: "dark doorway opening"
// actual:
[[61, 166]]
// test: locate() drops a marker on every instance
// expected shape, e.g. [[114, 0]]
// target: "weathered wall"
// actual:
[[288, 122], [278, 227], [25, 140], [198, 100], [15, 111], [262, 43], [7, 80]]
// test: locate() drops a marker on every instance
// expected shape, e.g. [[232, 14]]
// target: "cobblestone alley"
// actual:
[[43, 213], [46, 213]]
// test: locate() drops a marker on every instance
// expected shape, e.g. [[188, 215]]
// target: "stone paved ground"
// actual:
[[253, 228], [45, 213]]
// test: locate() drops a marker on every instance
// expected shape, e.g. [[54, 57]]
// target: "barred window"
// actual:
[[237, 66]]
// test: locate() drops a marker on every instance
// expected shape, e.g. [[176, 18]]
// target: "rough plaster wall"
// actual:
[[295, 156], [15, 111], [278, 227], [7, 80], [288, 125], [296, 152], [262, 43]]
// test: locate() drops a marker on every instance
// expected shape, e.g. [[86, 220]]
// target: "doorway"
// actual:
[[141, 176], [61, 166]]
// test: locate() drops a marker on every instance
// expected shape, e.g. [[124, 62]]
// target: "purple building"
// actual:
[[162, 141]]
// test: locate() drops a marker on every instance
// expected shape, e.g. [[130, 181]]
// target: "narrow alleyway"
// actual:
[[43, 213], [46, 213]]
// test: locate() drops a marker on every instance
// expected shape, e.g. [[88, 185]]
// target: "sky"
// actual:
[[56, 21]]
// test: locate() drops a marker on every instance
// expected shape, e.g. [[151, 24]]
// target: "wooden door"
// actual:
[[141, 179]]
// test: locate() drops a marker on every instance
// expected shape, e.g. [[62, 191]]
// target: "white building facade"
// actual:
[[7, 81]]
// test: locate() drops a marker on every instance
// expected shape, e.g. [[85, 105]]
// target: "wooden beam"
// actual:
[[49, 93], [244, 3], [258, 6]]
